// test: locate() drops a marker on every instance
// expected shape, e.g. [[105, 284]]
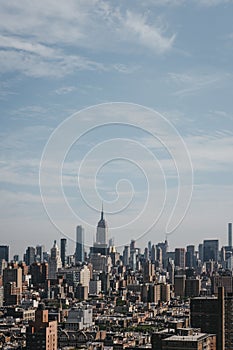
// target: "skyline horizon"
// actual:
[[141, 246], [125, 103]]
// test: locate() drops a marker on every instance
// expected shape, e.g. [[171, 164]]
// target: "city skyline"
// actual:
[[173, 57], [78, 248]]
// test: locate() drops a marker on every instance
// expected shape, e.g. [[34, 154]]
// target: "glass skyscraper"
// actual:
[[79, 251]]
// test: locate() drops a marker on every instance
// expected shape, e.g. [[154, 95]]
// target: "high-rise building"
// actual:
[[101, 245], [54, 262], [132, 246], [230, 234], [200, 252], [164, 247], [41, 334], [148, 271], [39, 272], [228, 321], [222, 280], [39, 253], [149, 248], [180, 257], [63, 251], [4, 252], [192, 287], [126, 256], [12, 283], [159, 256], [102, 230], [171, 271], [208, 314], [30, 256], [210, 249], [153, 253], [179, 285], [79, 251], [190, 256]]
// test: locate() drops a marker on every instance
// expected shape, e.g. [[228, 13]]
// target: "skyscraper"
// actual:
[[79, 251], [180, 257], [210, 249], [102, 230], [12, 283], [39, 253], [30, 256], [63, 251], [190, 255], [4, 252], [100, 245], [208, 313], [126, 255], [54, 261], [230, 234]]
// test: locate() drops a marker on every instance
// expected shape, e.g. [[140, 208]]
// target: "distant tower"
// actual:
[[210, 249], [39, 253], [230, 234], [4, 252], [79, 252], [63, 251], [54, 261], [30, 256], [180, 257], [126, 255], [102, 230], [190, 256], [101, 244]]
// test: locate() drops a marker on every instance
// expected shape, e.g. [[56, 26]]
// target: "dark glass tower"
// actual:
[[63, 251], [4, 252], [79, 252]]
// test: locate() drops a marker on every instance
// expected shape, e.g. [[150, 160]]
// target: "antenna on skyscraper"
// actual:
[[102, 211]]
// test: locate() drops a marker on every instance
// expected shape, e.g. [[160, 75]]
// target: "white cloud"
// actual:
[[209, 3], [191, 82], [65, 90], [147, 35]]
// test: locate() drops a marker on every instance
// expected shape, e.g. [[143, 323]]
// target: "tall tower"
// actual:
[[210, 249], [180, 257], [30, 255], [54, 261], [79, 251], [101, 245], [230, 234], [102, 230], [63, 251], [4, 252]]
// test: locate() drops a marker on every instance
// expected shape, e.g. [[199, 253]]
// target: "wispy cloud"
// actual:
[[209, 3], [65, 90], [73, 27], [190, 83]]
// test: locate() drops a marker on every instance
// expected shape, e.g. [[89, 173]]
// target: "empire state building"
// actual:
[[101, 245], [102, 230]]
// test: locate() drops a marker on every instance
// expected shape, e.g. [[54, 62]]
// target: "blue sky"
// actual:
[[58, 58]]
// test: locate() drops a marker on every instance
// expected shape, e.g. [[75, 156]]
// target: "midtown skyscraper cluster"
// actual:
[[139, 298]]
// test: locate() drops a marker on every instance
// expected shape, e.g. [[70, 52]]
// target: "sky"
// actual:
[[128, 103]]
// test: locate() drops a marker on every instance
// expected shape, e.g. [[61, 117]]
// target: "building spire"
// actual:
[[102, 212]]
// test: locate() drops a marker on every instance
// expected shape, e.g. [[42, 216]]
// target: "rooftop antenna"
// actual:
[[102, 211]]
